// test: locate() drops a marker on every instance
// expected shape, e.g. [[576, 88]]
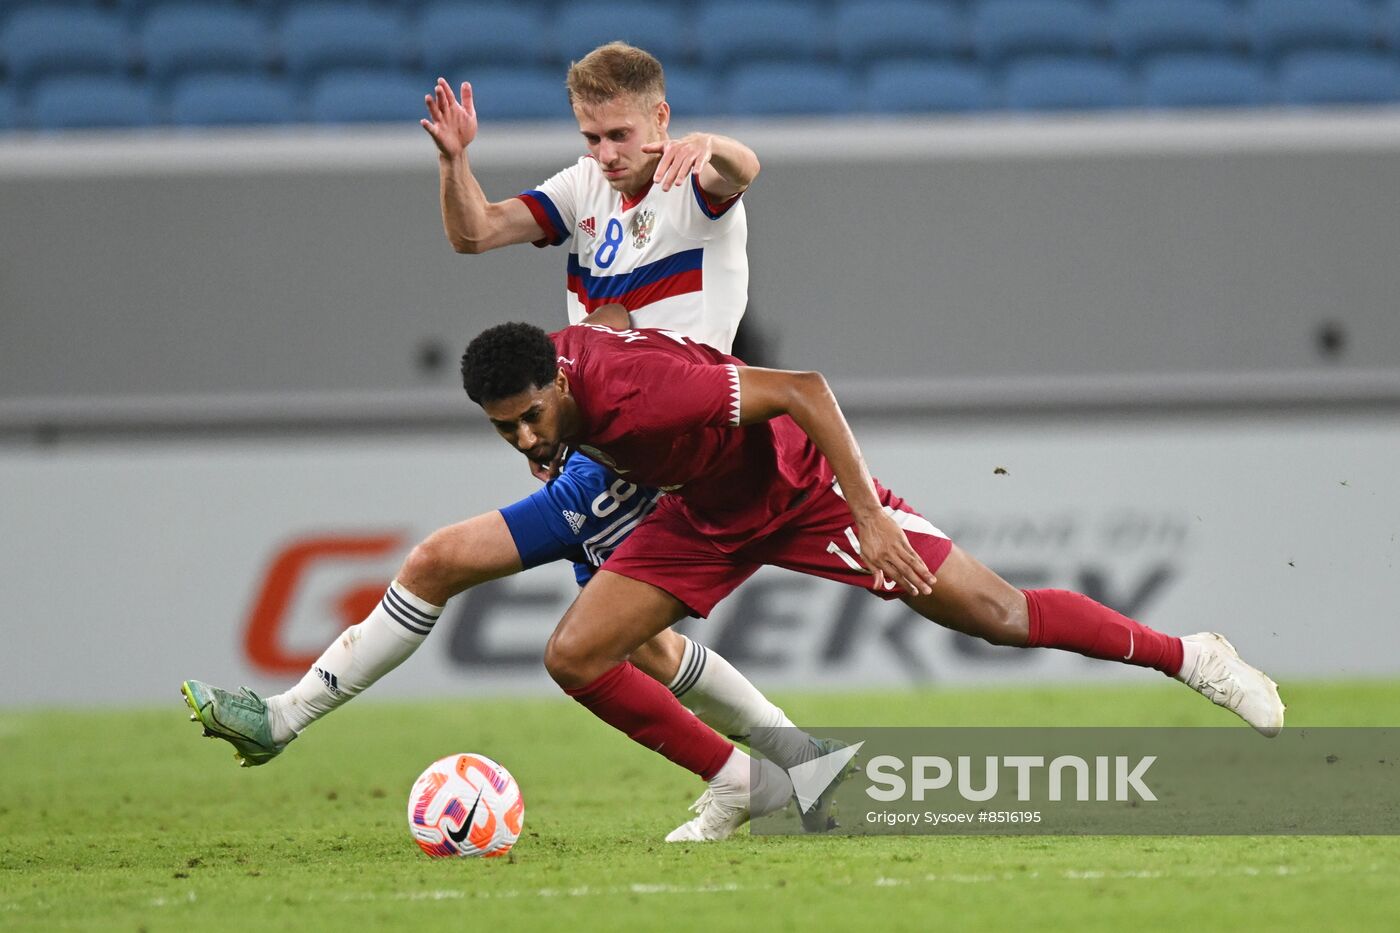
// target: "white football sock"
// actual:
[[727, 702], [769, 787], [361, 655], [1190, 654]]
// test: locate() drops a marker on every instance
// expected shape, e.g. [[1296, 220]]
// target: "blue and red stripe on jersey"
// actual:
[[677, 274], [547, 216], [713, 209]]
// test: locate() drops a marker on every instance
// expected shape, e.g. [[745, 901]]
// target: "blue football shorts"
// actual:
[[581, 515]]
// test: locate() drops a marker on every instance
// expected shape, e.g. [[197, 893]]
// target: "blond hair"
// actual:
[[615, 69]]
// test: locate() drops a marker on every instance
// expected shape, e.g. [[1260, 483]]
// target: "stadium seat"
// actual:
[[1186, 79], [520, 94], [1148, 27], [318, 37], [1278, 26], [790, 87], [187, 37], [9, 110], [69, 102], [1390, 25], [366, 96], [1003, 29], [42, 41], [232, 100], [928, 86], [473, 36], [691, 92], [881, 30], [659, 28], [731, 31], [1067, 84], [1334, 77]]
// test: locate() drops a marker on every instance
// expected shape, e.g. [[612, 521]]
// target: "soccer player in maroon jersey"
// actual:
[[762, 469]]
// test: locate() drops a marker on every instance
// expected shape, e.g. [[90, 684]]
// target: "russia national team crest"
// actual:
[[642, 224]]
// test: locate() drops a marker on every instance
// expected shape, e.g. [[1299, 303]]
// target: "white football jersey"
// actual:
[[672, 258]]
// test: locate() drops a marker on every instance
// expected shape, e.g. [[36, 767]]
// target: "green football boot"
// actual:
[[240, 719], [821, 817]]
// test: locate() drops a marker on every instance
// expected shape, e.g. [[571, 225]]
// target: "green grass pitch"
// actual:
[[131, 821]]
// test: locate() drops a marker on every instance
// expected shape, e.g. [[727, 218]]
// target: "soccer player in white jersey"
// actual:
[[658, 231]]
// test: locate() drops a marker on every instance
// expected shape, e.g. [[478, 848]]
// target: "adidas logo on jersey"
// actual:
[[574, 519], [589, 226]]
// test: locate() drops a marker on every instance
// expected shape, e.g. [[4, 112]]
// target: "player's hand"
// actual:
[[544, 472], [680, 157], [451, 124], [886, 552]]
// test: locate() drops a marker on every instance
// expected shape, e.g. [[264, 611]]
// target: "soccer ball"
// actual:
[[465, 805]]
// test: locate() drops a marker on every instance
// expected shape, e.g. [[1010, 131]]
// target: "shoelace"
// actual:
[[1219, 685]]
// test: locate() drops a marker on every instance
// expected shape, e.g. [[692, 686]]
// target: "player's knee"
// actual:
[[570, 659]]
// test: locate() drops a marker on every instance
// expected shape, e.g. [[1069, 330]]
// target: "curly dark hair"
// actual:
[[506, 360]]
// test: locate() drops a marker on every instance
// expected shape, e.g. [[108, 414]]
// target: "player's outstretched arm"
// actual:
[[472, 223], [724, 166], [765, 394]]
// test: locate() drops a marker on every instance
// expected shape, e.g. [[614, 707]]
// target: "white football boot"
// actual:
[[1222, 677], [731, 799]]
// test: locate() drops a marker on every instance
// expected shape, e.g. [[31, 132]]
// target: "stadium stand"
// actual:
[[1188, 79], [75, 102], [487, 35], [366, 96], [923, 87], [43, 41], [1003, 29], [323, 36], [1278, 26], [1139, 28], [789, 87], [581, 27], [1066, 84], [741, 31], [1336, 77], [189, 37], [872, 31], [233, 100], [887, 56]]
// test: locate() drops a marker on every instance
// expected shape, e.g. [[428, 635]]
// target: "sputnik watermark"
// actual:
[[1093, 781]]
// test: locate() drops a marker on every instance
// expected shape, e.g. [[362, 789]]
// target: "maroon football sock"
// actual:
[[1061, 619], [629, 700]]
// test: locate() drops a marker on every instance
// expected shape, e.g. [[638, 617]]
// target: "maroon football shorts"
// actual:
[[820, 539]]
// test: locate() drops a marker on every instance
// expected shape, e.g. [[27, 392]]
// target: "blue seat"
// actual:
[[774, 30], [480, 35], [40, 41], [1067, 84], [202, 37], [1187, 79], [1390, 24], [1277, 26], [662, 30], [884, 30], [519, 94], [1006, 28], [691, 92], [232, 100], [789, 87], [69, 102], [928, 86], [366, 96], [9, 110], [1335, 77], [318, 37], [1148, 27]]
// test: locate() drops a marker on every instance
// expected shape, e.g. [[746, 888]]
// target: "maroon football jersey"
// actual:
[[663, 411]]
